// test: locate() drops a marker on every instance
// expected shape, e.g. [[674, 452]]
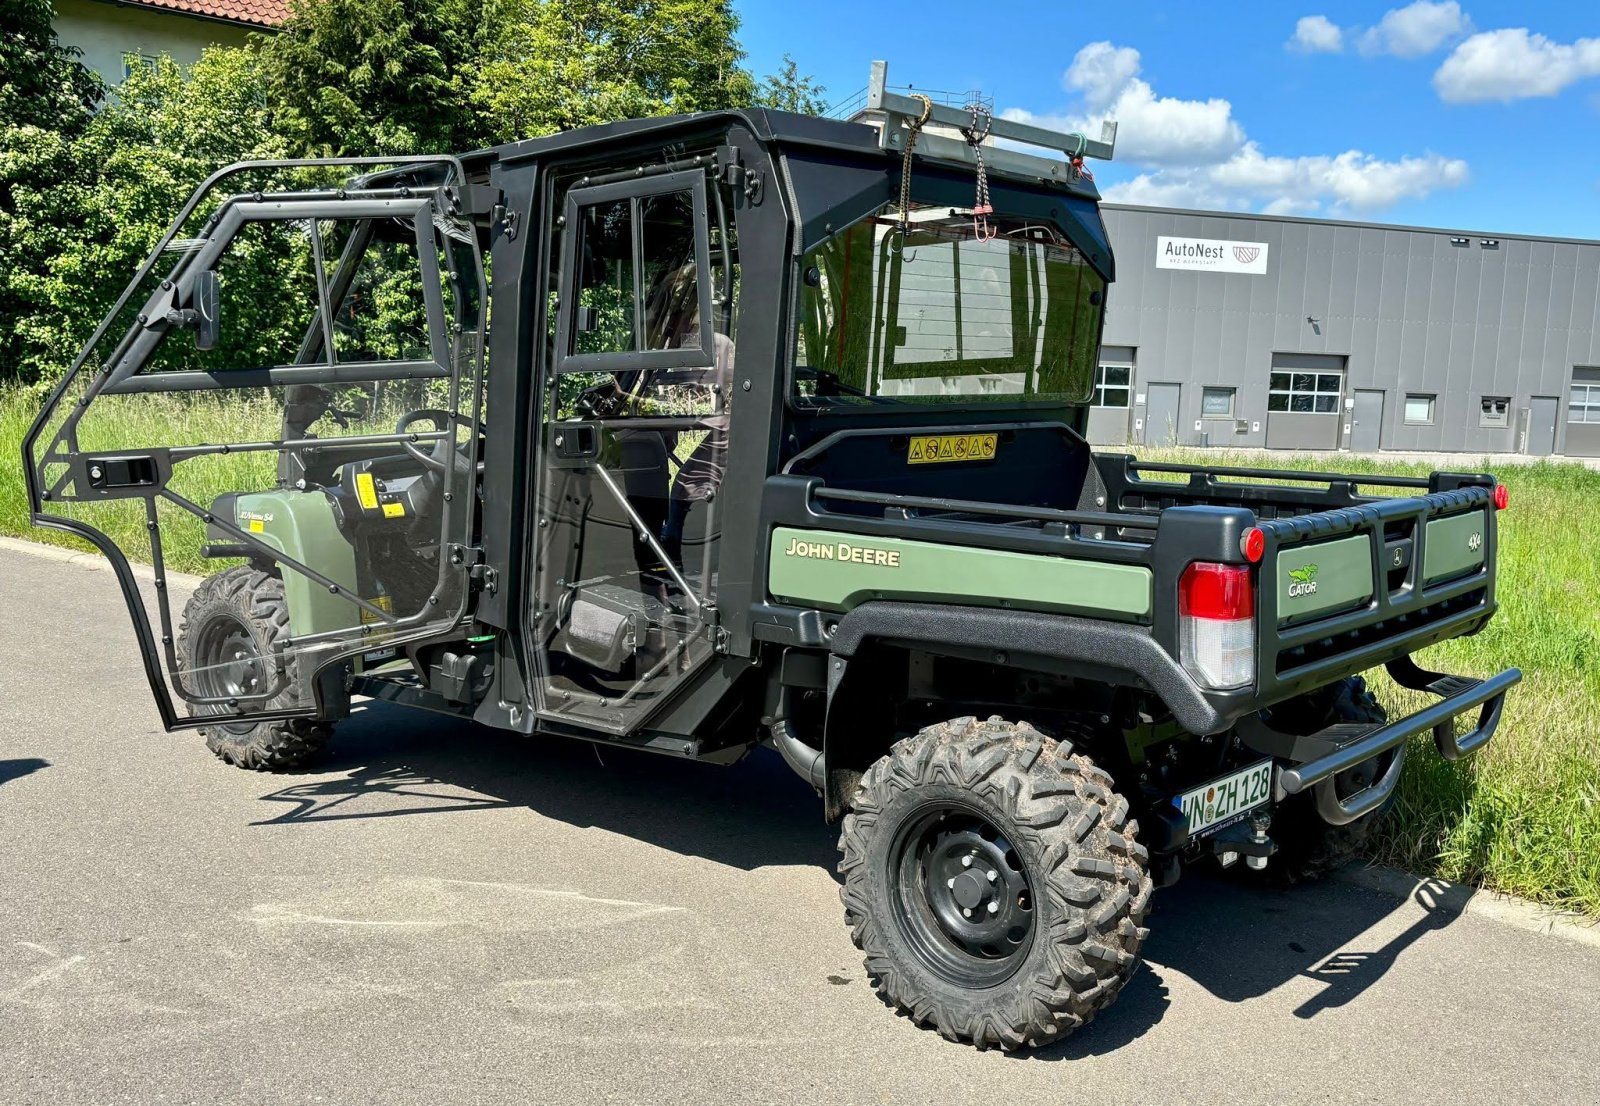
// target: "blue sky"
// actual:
[[1470, 115]]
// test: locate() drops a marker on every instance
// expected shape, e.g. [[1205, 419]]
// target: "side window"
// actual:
[[636, 277], [603, 319], [269, 298]]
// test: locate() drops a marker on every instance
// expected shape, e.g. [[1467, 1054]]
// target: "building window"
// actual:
[[1305, 392], [1419, 409], [1216, 403], [1583, 405], [1112, 383], [133, 63], [1495, 412]]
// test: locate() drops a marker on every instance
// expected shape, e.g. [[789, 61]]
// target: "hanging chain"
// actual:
[[912, 131], [981, 208]]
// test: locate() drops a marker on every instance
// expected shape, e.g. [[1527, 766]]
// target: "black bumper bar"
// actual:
[[1322, 756]]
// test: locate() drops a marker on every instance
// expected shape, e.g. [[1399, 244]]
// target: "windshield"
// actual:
[[940, 315]]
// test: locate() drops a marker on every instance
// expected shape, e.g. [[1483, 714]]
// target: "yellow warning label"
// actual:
[[365, 492], [383, 603], [952, 447], [394, 510], [257, 526]]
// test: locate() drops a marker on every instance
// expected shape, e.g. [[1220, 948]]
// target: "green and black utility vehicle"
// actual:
[[745, 428]]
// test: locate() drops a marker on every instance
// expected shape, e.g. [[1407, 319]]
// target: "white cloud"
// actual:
[[1416, 29], [1156, 129], [1514, 64], [1194, 153], [1100, 71], [1316, 34], [1251, 180]]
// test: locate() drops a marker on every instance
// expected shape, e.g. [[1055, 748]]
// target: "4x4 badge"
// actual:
[[1303, 581], [1474, 542]]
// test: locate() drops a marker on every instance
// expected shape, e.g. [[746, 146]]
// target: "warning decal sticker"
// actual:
[[934, 449]]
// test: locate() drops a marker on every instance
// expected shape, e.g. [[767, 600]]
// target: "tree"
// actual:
[[552, 65], [374, 77], [790, 90], [46, 101], [45, 84], [162, 132]]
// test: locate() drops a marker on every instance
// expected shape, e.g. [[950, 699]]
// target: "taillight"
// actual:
[[1216, 624], [1502, 497]]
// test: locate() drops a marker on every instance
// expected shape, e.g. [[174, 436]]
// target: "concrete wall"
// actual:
[[1407, 310], [105, 32]]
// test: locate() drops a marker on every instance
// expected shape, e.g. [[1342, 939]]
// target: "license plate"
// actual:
[[1214, 804]]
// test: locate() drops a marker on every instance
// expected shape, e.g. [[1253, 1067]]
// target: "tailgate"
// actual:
[[1344, 590]]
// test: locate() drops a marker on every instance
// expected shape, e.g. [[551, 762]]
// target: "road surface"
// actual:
[[439, 914]]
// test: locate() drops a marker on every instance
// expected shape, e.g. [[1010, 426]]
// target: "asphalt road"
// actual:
[[442, 915]]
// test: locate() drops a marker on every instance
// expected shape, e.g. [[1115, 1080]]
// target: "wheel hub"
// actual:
[[966, 900], [227, 663]]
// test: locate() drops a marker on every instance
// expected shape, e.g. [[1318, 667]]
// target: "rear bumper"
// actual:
[[1315, 760]]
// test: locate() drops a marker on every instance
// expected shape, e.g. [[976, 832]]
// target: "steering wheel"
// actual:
[[437, 459]]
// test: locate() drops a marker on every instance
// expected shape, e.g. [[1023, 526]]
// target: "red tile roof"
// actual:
[[261, 13]]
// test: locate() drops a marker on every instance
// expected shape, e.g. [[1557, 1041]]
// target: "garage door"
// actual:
[[1304, 395]]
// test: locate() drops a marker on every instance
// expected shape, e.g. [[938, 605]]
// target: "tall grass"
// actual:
[[1521, 816]]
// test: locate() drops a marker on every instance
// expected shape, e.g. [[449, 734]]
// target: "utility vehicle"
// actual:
[[776, 438]]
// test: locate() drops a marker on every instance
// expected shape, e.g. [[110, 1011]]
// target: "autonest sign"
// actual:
[[1211, 255]]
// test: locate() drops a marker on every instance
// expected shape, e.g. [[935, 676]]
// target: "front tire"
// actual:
[[994, 882], [225, 644]]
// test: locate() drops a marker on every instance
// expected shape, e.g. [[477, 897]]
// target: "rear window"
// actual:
[[939, 315]]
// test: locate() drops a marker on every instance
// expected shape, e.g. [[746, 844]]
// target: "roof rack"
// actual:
[[893, 113]]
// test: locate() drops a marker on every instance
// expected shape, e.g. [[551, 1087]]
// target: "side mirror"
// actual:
[[206, 296]]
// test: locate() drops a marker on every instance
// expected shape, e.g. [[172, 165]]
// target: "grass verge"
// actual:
[[1522, 816]]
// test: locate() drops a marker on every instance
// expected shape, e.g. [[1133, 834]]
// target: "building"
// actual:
[[1288, 333], [117, 34]]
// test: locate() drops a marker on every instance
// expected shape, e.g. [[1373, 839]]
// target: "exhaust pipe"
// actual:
[[806, 761]]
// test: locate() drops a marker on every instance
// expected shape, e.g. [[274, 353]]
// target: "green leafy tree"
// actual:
[[374, 77], [162, 132], [552, 65], [45, 84], [47, 98], [790, 90]]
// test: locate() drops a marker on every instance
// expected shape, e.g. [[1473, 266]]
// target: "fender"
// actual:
[[1121, 653]]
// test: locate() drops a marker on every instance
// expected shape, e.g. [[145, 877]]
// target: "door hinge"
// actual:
[[480, 577], [730, 170], [505, 219]]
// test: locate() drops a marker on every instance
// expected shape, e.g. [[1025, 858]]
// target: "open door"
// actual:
[[291, 388]]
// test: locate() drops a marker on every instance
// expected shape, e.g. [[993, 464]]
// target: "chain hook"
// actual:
[[897, 241], [981, 208]]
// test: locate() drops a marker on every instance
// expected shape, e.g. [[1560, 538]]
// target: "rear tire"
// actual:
[[994, 882], [1310, 849], [226, 639]]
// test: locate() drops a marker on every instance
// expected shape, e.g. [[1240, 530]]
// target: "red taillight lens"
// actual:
[[1217, 624], [1253, 543], [1216, 592], [1502, 497]]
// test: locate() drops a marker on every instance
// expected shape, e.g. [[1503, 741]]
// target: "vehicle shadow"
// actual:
[[21, 766], [394, 762], [1236, 940]]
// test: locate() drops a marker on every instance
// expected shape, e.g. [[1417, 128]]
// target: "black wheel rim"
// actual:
[[962, 894], [227, 663]]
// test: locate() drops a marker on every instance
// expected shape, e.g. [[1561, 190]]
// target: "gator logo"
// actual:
[[1302, 581]]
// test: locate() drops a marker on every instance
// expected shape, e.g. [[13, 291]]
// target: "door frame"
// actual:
[[120, 376]]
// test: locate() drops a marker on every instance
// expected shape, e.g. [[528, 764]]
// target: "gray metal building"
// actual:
[[1287, 333]]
